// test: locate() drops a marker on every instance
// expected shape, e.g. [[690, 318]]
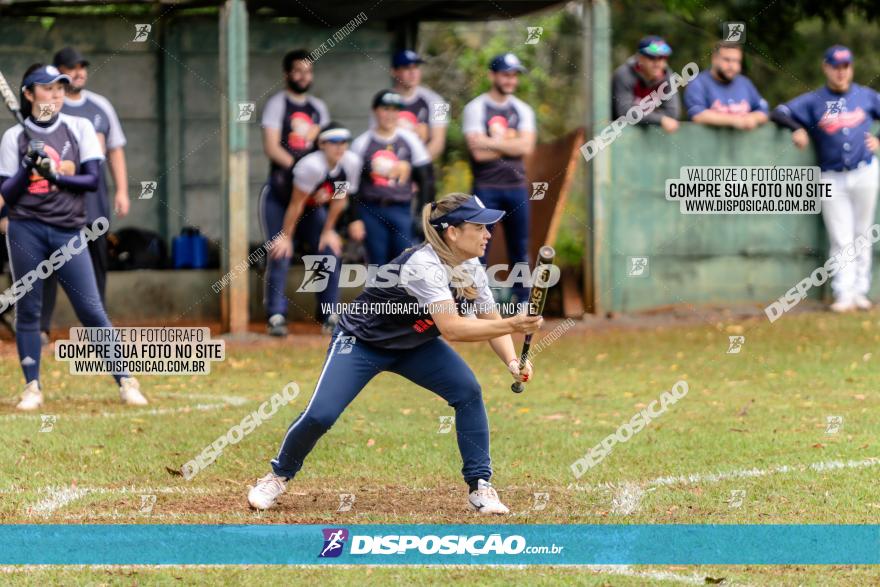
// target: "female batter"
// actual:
[[381, 335], [43, 182]]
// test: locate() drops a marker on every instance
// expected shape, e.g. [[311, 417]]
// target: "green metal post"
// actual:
[[234, 162]]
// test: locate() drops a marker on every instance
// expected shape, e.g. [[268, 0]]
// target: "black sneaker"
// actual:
[[277, 325]]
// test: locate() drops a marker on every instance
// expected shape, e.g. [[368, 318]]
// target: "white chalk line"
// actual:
[[131, 413], [626, 500], [56, 499], [59, 497], [697, 478]]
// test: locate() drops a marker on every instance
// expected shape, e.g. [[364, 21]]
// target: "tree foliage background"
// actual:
[[785, 40]]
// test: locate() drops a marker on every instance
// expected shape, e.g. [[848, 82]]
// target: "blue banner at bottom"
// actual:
[[496, 544]]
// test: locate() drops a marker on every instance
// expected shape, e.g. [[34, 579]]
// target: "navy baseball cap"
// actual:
[[406, 57], [838, 55], [471, 210], [69, 57], [45, 75], [654, 46], [506, 62], [387, 98]]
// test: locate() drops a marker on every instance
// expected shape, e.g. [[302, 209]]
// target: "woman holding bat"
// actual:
[[397, 326], [47, 163]]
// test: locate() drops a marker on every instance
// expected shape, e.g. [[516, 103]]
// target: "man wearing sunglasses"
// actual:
[[638, 77]]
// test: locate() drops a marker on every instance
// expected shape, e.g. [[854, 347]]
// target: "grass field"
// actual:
[[750, 441]]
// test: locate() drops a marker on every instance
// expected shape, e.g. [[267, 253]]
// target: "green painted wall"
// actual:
[[698, 258]]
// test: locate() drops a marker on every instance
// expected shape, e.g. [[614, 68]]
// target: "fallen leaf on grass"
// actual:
[[371, 442], [176, 472], [818, 445], [553, 417]]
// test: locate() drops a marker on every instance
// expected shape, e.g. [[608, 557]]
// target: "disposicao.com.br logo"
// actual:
[[394, 544]]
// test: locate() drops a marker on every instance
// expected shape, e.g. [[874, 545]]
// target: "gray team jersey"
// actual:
[[422, 111], [388, 163], [98, 110], [312, 173], [507, 120], [69, 141]]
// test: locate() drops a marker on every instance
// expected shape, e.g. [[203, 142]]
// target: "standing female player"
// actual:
[[408, 343], [43, 183], [395, 162]]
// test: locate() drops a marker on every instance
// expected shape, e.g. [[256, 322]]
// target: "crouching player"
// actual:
[[367, 343], [321, 182]]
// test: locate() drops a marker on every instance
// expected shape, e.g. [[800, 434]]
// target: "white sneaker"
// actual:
[[862, 303], [265, 493], [130, 392], [485, 500], [32, 398], [842, 306]]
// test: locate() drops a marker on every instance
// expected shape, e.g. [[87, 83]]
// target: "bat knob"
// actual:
[[517, 387]]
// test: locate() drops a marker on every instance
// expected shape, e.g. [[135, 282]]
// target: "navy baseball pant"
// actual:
[[515, 203], [100, 260], [30, 242], [308, 231], [389, 230], [351, 364]]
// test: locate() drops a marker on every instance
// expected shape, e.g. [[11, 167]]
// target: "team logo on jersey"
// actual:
[[319, 268], [423, 324], [407, 120], [499, 127], [40, 185], [387, 169], [741, 107], [302, 131], [841, 118], [334, 541]]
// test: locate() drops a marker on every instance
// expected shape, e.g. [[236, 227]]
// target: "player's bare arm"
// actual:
[[460, 329], [273, 149]]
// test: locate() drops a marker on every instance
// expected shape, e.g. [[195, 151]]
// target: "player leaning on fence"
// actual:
[[837, 118]]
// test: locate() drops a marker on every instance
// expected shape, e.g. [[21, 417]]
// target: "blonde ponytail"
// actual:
[[435, 239]]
